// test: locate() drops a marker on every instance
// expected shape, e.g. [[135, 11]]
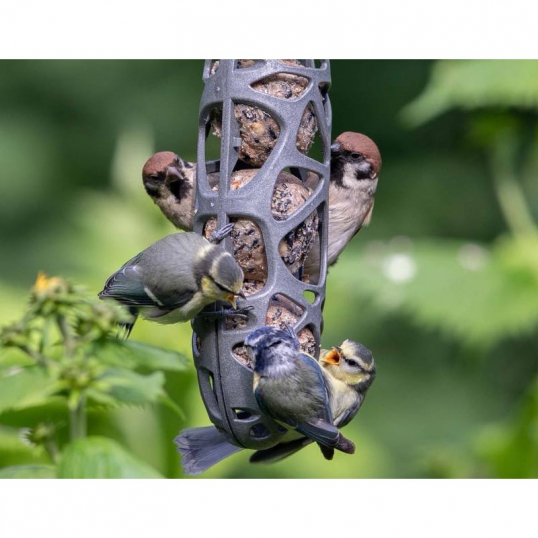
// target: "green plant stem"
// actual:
[[77, 420], [52, 450], [69, 341], [40, 359], [508, 190]]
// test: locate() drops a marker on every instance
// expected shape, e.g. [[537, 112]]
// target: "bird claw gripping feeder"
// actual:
[[253, 99]]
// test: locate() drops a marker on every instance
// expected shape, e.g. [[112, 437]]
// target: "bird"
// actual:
[[291, 387], [349, 370], [170, 182], [173, 279], [355, 167]]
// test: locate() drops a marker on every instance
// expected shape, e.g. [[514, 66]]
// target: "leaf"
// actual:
[[99, 457], [10, 357], [473, 84], [28, 471], [125, 387], [511, 449], [463, 289], [132, 354], [14, 445], [25, 388]]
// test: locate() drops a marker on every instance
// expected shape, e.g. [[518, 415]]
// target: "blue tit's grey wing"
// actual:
[[129, 286], [280, 451], [126, 285], [201, 448], [319, 386]]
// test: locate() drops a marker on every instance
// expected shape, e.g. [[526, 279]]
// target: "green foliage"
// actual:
[[475, 84], [28, 471], [476, 294], [72, 356], [99, 457]]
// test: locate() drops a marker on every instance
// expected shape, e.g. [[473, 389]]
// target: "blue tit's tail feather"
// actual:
[[327, 436], [126, 327], [345, 445], [280, 451], [201, 448]]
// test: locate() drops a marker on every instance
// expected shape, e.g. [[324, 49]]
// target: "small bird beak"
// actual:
[[333, 357], [241, 294], [336, 148], [172, 173], [232, 300]]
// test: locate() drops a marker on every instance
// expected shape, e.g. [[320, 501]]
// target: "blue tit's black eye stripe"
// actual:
[[222, 288]]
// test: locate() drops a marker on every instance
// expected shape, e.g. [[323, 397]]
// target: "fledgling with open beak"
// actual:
[[171, 183], [349, 370], [290, 387], [355, 167], [172, 280]]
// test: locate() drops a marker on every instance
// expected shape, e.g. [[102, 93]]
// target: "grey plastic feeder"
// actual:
[[226, 383]]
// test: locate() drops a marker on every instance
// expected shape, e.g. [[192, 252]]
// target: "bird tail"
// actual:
[[125, 328], [201, 448], [345, 445]]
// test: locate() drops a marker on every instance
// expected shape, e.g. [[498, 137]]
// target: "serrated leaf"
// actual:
[[10, 357], [120, 387], [28, 471], [130, 387], [99, 457], [465, 290], [25, 388], [132, 354], [472, 84]]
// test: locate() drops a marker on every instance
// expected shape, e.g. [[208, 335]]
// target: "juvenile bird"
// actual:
[[292, 388], [175, 278], [355, 167], [349, 370]]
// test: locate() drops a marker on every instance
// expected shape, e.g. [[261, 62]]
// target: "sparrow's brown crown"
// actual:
[[158, 163], [359, 143]]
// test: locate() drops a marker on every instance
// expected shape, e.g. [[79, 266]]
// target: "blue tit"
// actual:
[[349, 371], [175, 278]]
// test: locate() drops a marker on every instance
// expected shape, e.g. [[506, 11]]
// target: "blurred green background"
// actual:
[[442, 287]]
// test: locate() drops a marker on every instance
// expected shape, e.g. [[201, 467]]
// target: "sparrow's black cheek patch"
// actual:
[[364, 170], [180, 189], [337, 172]]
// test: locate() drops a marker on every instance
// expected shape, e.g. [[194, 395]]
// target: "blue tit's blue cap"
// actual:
[[268, 336]]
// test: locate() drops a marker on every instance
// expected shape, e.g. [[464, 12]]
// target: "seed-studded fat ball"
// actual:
[[249, 249], [259, 131]]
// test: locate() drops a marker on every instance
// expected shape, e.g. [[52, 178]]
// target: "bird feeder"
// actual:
[[264, 119]]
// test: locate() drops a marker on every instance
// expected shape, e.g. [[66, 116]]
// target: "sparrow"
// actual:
[[355, 167]]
